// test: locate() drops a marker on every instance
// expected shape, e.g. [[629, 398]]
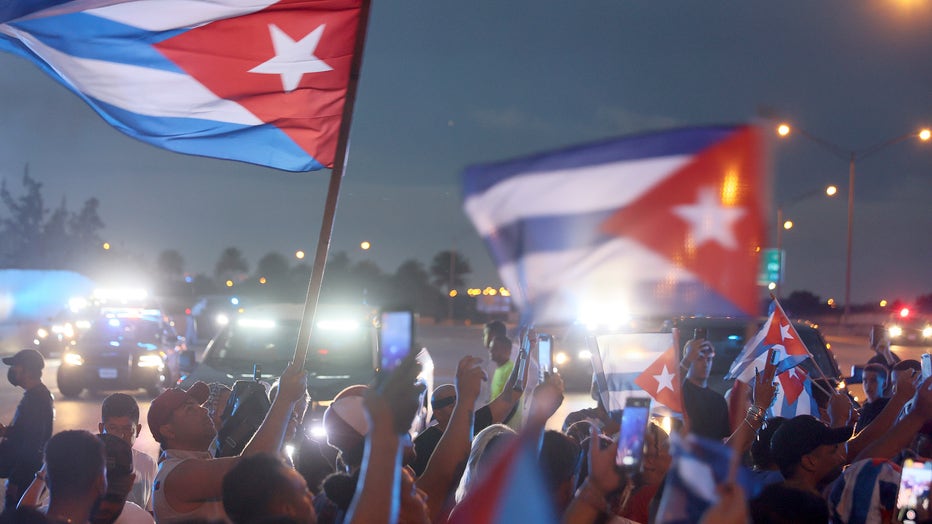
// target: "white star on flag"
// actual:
[[664, 380], [293, 59], [785, 332], [709, 220], [792, 372]]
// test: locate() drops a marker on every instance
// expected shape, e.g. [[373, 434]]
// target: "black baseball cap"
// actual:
[[28, 358], [801, 435]]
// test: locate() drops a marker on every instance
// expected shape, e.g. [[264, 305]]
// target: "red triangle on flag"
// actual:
[[706, 217], [661, 380], [792, 381]]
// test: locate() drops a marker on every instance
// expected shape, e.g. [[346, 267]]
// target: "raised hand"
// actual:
[[395, 398], [469, 378]]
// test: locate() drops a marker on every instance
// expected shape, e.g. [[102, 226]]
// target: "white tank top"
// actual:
[[209, 510]]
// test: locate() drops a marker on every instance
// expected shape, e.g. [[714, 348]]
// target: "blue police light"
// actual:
[[234, 301]]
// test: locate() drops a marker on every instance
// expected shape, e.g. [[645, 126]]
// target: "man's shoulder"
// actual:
[[143, 461]]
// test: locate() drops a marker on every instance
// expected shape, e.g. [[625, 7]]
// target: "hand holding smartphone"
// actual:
[[544, 356], [396, 337], [634, 421], [926, 363]]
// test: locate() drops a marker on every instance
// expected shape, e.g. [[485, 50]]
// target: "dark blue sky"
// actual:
[[447, 84]]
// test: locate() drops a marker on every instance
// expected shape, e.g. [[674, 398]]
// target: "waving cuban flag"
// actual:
[[659, 224], [261, 81]]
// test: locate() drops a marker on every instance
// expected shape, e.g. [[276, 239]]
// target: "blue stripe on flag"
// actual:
[[479, 178], [87, 36], [263, 145], [863, 495], [544, 234], [13, 9], [525, 497]]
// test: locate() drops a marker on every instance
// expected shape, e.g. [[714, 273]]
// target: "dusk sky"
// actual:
[[448, 84]]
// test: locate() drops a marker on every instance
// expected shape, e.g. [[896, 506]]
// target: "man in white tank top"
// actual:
[[188, 485]]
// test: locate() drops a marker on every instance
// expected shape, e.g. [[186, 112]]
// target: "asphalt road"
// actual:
[[447, 346]]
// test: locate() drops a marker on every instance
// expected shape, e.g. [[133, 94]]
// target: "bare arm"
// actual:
[[453, 448], [763, 394], [902, 433], [390, 408], [603, 478], [271, 434], [905, 390], [196, 480]]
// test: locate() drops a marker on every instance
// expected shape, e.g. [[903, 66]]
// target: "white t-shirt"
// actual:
[[133, 514], [145, 469]]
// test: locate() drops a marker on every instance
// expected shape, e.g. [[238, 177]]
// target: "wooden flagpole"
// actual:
[[333, 192]]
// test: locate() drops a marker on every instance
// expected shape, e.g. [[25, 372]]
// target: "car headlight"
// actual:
[[584, 354], [222, 319], [149, 361], [72, 359], [927, 332], [895, 331], [561, 358], [42, 333]]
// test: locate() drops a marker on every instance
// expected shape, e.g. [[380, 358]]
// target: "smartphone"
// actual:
[[912, 499], [544, 355], [396, 337], [634, 421], [521, 362], [700, 334], [926, 363]]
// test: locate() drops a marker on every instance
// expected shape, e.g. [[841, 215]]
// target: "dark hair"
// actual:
[[495, 328], [340, 488], [779, 504], [559, 458], [253, 488], [119, 405], [878, 368], [761, 458], [74, 460], [908, 364]]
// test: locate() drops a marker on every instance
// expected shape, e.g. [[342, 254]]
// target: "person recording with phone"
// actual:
[[706, 408]]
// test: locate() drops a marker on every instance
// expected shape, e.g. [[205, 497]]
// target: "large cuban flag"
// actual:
[[261, 81], [667, 223]]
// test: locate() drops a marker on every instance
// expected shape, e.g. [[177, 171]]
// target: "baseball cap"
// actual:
[[28, 358], [160, 411], [801, 435], [345, 419]]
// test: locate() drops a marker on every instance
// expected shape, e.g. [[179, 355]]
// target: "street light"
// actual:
[[852, 157], [786, 224]]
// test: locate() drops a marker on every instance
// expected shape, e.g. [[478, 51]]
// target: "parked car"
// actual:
[[122, 349]]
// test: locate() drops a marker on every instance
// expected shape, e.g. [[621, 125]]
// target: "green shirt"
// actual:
[[499, 379]]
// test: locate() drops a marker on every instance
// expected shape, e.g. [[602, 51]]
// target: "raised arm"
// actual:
[[390, 407], [452, 450]]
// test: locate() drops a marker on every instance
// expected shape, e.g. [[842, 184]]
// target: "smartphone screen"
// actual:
[[396, 337], [926, 363], [634, 420], [544, 355], [912, 499]]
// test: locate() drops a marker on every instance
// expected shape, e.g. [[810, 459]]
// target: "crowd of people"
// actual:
[[842, 464]]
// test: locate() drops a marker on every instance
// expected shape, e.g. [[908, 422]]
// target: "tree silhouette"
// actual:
[[232, 265], [170, 264], [275, 267], [448, 269]]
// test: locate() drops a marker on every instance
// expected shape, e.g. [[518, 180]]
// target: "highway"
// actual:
[[446, 344]]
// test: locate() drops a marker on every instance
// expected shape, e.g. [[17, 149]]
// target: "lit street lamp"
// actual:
[[783, 223], [852, 157]]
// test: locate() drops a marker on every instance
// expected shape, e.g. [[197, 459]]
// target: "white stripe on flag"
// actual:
[[614, 266], [568, 192], [162, 15], [131, 87]]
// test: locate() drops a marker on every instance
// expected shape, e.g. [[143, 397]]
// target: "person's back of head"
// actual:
[[120, 477], [781, 504], [74, 465], [761, 457], [481, 453], [559, 460], [908, 363], [261, 486]]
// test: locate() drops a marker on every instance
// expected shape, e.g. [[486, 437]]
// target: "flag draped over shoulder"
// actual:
[[778, 333], [667, 223], [261, 81]]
